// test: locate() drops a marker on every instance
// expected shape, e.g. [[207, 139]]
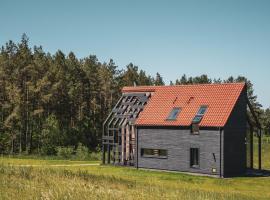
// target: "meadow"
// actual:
[[47, 179], [39, 178]]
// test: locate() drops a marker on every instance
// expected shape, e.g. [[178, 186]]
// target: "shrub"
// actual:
[[65, 152], [47, 149], [82, 152], [94, 156]]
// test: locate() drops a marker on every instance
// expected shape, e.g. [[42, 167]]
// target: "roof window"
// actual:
[[198, 117], [174, 113]]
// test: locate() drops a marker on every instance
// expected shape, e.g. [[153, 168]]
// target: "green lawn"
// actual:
[[265, 152], [45, 181], [39, 161]]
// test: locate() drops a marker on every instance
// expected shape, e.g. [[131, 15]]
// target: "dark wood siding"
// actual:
[[178, 143], [234, 139]]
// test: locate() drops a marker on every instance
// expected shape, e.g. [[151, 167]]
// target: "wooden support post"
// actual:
[[251, 147], [119, 146], [137, 149], [260, 149], [114, 147], [103, 154], [123, 146], [127, 144], [133, 141]]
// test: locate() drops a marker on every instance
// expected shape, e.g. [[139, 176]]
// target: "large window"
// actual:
[[154, 153], [174, 113], [194, 157]]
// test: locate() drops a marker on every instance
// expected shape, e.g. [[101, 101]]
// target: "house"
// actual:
[[200, 128]]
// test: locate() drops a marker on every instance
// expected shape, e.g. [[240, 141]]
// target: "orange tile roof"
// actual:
[[220, 99]]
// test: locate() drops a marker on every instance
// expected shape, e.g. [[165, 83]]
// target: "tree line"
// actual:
[[47, 101]]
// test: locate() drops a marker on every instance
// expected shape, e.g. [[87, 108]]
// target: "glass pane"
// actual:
[[196, 160], [197, 119], [194, 157], [163, 152], [154, 152], [202, 110], [174, 113]]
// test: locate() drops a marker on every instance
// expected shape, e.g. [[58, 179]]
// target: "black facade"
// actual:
[[178, 143], [222, 151]]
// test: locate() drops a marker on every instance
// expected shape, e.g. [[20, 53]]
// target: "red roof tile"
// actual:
[[220, 99]]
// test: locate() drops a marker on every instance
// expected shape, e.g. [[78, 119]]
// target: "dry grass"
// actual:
[[105, 182], [46, 181]]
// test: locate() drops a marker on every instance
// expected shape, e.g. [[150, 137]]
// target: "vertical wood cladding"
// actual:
[[178, 143]]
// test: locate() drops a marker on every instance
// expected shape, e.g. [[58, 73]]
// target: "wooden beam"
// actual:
[[117, 134], [253, 114], [123, 145], [260, 148], [134, 94], [117, 104], [103, 154]]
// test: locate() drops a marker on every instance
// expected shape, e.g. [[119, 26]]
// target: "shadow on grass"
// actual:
[[258, 173]]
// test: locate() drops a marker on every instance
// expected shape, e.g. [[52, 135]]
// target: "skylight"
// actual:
[[202, 110], [174, 113], [198, 117]]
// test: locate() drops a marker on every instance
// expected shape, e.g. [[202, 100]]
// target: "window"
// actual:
[[174, 113], [202, 110], [154, 153], [194, 157], [197, 119]]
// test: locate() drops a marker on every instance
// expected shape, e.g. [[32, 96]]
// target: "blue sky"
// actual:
[[218, 38]]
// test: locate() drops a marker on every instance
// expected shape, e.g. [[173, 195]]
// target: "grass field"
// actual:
[[39, 178], [47, 181]]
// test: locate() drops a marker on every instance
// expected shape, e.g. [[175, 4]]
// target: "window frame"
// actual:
[[154, 155], [190, 159], [204, 108], [197, 120], [170, 118]]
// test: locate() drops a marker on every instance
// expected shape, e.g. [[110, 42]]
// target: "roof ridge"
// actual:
[[185, 85]]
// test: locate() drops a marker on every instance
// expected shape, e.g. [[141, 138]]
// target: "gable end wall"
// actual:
[[234, 138]]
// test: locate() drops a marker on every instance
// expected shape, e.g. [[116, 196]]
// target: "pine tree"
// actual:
[[159, 80]]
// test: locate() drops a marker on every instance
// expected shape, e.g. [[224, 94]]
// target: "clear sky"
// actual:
[[218, 38]]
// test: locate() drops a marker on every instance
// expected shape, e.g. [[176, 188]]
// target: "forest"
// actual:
[[56, 100]]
